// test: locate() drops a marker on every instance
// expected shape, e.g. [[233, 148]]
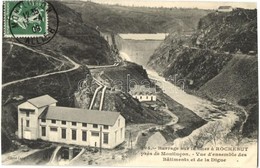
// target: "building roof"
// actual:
[[79, 115], [156, 36], [224, 7], [42, 101], [142, 90]]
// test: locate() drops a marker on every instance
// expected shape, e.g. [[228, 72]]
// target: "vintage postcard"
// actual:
[[129, 83]]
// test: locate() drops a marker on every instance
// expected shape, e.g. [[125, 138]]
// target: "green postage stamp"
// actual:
[[25, 19]]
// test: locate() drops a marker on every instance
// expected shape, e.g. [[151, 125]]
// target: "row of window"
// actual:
[[141, 97], [74, 134], [74, 123]]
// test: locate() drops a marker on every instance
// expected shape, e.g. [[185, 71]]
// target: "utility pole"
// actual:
[[22, 128], [131, 141], [162, 121], [100, 146]]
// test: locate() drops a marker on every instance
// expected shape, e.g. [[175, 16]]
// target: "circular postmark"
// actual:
[[33, 23]]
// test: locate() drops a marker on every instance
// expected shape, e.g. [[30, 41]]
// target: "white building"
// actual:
[[225, 9], [143, 93], [40, 118]]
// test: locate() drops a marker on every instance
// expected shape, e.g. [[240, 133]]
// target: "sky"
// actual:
[[178, 4]]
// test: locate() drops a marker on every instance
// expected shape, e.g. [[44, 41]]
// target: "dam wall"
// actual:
[[139, 47]]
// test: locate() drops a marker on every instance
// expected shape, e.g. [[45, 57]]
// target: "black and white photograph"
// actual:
[[147, 83]]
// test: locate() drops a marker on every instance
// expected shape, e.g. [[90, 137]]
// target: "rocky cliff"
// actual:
[[232, 32], [219, 61]]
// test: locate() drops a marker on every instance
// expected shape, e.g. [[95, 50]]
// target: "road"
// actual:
[[215, 51], [174, 120], [76, 66], [102, 66], [15, 156]]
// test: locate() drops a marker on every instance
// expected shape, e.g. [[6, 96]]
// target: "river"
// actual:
[[196, 104], [203, 108], [220, 126]]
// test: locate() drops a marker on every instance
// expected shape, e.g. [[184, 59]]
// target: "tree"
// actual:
[[214, 130], [234, 137], [198, 141]]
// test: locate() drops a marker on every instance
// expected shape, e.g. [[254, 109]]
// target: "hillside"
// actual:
[[77, 40], [215, 63], [121, 19], [19, 63], [240, 74], [128, 74], [231, 32]]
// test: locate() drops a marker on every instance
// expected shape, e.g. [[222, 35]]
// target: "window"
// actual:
[[53, 121], [63, 122], [74, 123], [121, 133], [106, 126], [25, 110], [84, 135], [63, 133], [43, 120], [84, 124], [118, 122], [27, 113], [115, 136], [94, 134], [95, 125], [27, 123], [53, 129], [74, 134], [43, 131], [146, 97], [140, 97], [105, 140]]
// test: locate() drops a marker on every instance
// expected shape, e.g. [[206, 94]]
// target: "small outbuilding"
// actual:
[[225, 9], [143, 93]]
